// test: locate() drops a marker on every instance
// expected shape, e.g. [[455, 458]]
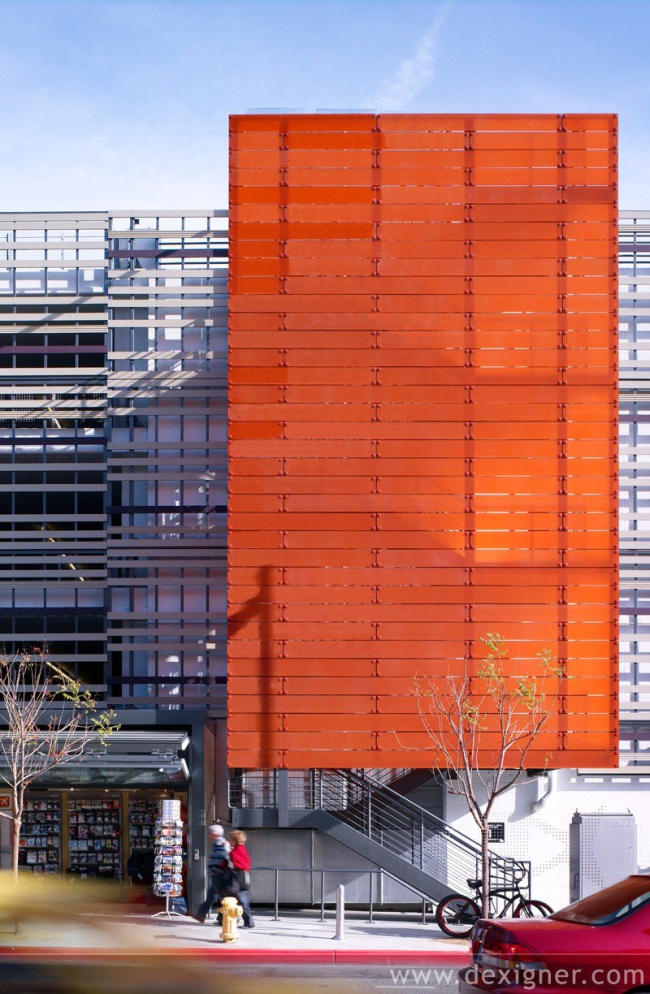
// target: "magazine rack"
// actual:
[[168, 857]]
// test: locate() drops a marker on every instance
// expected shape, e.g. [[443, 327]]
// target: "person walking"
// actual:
[[220, 872], [241, 862]]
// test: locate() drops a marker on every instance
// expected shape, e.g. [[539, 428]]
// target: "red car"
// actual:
[[601, 943]]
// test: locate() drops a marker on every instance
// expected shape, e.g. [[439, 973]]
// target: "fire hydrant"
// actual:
[[231, 912]]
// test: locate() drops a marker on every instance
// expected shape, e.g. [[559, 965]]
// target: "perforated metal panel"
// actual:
[[422, 424], [602, 851]]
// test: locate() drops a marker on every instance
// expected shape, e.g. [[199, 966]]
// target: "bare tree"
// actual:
[[483, 727], [46, 720]]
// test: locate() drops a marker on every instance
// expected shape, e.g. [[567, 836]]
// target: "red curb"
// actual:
[[269, 955], [241, 956], [389, 957]]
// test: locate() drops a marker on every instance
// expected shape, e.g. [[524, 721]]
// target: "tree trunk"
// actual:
[[17, 823], [15, 848], [19, 803], [485, 868]]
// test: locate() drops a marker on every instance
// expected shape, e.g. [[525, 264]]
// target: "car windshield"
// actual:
[[609, 905]]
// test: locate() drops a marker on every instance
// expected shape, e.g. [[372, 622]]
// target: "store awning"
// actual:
[[155, 754]]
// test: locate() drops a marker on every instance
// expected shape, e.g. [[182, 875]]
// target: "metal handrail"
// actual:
[[399, 801], [372, 872], [397, 824], [400, 828], [386, 775], [502, 867]]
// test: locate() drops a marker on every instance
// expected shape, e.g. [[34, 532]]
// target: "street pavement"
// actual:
[[52, 976], [102, 951], [441, 978], [294, 932], [307, 932]]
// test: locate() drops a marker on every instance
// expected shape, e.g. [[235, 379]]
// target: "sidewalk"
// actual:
[[297, 937]]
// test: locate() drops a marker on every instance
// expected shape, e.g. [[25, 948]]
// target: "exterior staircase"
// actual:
[[371, 818], [402, 781]]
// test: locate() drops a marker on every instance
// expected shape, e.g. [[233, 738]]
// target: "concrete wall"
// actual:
[[310, 848], [542, 835]]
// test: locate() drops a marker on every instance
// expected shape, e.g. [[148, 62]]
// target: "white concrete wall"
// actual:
[[542, 836]]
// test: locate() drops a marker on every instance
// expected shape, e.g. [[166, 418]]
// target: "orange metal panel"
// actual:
[[300, 158], [427, 141], [528, 142], [300, 557], [329, 123], [330, 195], [398, 222], [422, 423], [424, 200], [328, 142], [449, 279]]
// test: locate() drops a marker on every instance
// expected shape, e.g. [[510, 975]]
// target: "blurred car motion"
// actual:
[[62, 938]]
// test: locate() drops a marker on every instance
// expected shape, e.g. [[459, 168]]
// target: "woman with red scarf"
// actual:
[[241, 862]]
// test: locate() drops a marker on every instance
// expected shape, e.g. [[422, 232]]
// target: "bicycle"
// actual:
[[457, 914]]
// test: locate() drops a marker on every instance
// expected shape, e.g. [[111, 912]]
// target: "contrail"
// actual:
[[415, 72]]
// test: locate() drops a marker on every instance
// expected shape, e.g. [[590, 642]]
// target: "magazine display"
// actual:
[[142, 824], [95, 837], [168, 850], [40, 836]]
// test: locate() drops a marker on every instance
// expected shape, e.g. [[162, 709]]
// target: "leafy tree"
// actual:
[[483, 727], [46, 720]]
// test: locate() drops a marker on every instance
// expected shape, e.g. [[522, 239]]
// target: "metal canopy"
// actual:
[[128, 750]]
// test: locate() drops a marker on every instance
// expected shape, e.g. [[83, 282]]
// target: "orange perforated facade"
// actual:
[[423, 419]]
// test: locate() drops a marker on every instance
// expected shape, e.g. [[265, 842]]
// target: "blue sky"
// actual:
[[110, 104]]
